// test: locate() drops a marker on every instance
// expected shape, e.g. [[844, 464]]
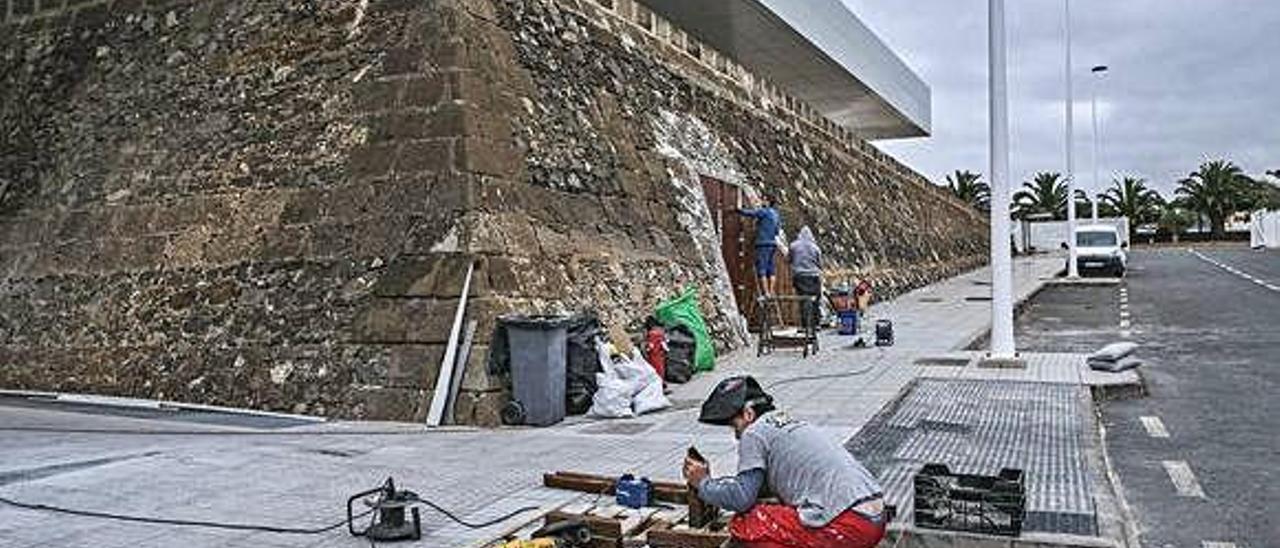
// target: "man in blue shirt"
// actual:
[[768, 222]]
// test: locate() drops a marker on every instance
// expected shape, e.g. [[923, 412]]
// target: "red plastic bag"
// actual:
[[655, 351]]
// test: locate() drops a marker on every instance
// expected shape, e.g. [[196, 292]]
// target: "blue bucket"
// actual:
[[848, 322]]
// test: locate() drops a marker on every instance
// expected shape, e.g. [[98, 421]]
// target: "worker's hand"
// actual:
[[695, 471]]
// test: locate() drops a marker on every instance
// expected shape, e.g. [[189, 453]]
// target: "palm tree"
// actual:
[[968, 186], [1174, 219], [1216, 190], [1046, 193], [1132, 198]]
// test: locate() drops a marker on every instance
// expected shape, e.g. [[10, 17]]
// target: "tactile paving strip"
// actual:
[[979, 427]]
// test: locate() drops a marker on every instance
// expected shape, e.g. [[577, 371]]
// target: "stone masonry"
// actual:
[[274, 204]]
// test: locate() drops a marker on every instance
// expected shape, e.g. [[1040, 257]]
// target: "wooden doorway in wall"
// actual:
[[737, 245]]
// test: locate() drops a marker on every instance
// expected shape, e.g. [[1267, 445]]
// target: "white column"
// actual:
[[1002, 347], [1097, 185], [1072, 268]]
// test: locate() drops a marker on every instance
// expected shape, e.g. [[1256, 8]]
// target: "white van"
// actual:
[[1098, 248]]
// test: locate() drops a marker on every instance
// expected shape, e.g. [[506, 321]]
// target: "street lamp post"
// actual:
[[1002, 346], [1072, 268], [1097, 184]]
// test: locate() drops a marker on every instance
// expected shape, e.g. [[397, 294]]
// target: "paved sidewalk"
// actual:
[[303, 480]]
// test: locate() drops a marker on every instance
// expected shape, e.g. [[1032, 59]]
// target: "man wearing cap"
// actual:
[[828, 498]]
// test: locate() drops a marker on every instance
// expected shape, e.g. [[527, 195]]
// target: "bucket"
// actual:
[[848, 322]]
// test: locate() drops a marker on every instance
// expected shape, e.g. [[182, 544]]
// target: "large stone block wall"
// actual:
[[249, 203], [273, 204]]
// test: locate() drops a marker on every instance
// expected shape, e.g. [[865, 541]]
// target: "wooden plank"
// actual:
[[664, 491], [686, 538], [444, 380], [459, 369], [634, 520]]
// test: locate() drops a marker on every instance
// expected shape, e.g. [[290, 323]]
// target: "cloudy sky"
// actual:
[[1190, 80]]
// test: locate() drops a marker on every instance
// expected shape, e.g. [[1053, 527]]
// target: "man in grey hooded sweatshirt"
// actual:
[[806, 272]]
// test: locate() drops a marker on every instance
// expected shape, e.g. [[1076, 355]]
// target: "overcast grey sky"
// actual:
[[1190, 80]]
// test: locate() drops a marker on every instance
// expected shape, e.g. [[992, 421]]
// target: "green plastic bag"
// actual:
[[683, 310]]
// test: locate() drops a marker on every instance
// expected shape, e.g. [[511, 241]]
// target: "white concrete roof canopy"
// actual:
[[817, 51]]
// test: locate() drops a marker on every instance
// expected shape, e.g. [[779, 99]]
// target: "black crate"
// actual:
[[994, 505]]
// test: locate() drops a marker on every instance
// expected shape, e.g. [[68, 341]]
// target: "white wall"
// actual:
[[1264, 229], [1050, 235]]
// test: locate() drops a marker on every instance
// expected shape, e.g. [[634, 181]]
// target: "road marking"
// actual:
[[1155, 427], [1217, 544], [1124, 313], [1125, 333], [1233, 270], [1124, 324], [1184, 480]]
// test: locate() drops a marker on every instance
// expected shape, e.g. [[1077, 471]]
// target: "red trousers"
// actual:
[[778, 526]]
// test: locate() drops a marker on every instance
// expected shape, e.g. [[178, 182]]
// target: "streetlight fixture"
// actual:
[[1072, 268], [1002, 346], [1098, 71]]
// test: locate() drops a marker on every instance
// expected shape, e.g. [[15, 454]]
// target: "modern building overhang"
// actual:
[[818, 52]]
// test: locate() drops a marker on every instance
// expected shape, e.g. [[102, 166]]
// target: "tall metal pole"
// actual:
[[1002, 346], [1073, 270], [1097, 160]]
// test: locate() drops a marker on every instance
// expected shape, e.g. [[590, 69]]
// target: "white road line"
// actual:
[[1217, 544], [1125, 333], [1124, 313], [1237, 272], [1124, 324], [1184, 480], [1155, 427]]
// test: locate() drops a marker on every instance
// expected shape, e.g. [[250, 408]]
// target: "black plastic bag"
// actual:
[[583, 362], [681, 346]]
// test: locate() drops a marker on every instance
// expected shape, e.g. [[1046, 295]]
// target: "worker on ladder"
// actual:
[[768, 225], [827, 498]]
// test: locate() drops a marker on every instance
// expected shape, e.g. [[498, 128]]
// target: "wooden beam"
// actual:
[[664, 491], [689, 538]]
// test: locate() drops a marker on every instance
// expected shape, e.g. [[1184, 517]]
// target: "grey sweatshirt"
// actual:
[[806, 257]]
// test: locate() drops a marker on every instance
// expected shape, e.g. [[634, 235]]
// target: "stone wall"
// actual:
[[230, 201], [273, 204]]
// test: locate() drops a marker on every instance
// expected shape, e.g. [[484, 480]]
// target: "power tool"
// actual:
[[389, 514]]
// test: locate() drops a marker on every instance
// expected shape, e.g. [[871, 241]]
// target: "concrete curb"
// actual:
[[139, 403]]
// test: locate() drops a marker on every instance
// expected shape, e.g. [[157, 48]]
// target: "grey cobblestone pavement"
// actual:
[[286, 478]]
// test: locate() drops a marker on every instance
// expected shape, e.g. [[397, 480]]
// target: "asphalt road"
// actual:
[[1211, 337]]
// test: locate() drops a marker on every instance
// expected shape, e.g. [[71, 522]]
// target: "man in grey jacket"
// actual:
[[806, 273], [827, 497]]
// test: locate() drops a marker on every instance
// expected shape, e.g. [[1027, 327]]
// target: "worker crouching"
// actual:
[[825, 497]]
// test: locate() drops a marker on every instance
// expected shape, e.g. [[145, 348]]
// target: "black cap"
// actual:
[[728, 399]]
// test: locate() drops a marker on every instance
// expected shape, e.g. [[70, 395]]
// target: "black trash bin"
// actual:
[[537, 353]]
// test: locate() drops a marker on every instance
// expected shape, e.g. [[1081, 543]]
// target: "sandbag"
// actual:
[[612, 399], [683, 310], [1123, 364], [628, 386], [681, 351], [1113, 352]]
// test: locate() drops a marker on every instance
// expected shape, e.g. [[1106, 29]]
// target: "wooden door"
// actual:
[[737, 245]]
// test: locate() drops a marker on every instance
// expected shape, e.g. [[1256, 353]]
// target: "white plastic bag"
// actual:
[[612, 399], [647, 385]]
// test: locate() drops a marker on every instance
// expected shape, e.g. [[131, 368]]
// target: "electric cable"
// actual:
[[840, 375], [128, 432], [179, 522], [253, 527]]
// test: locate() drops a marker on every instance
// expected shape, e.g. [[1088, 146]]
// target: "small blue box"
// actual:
[[633, 492]]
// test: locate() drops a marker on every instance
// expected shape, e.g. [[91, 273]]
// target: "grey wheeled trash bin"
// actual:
[[537, 348]]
